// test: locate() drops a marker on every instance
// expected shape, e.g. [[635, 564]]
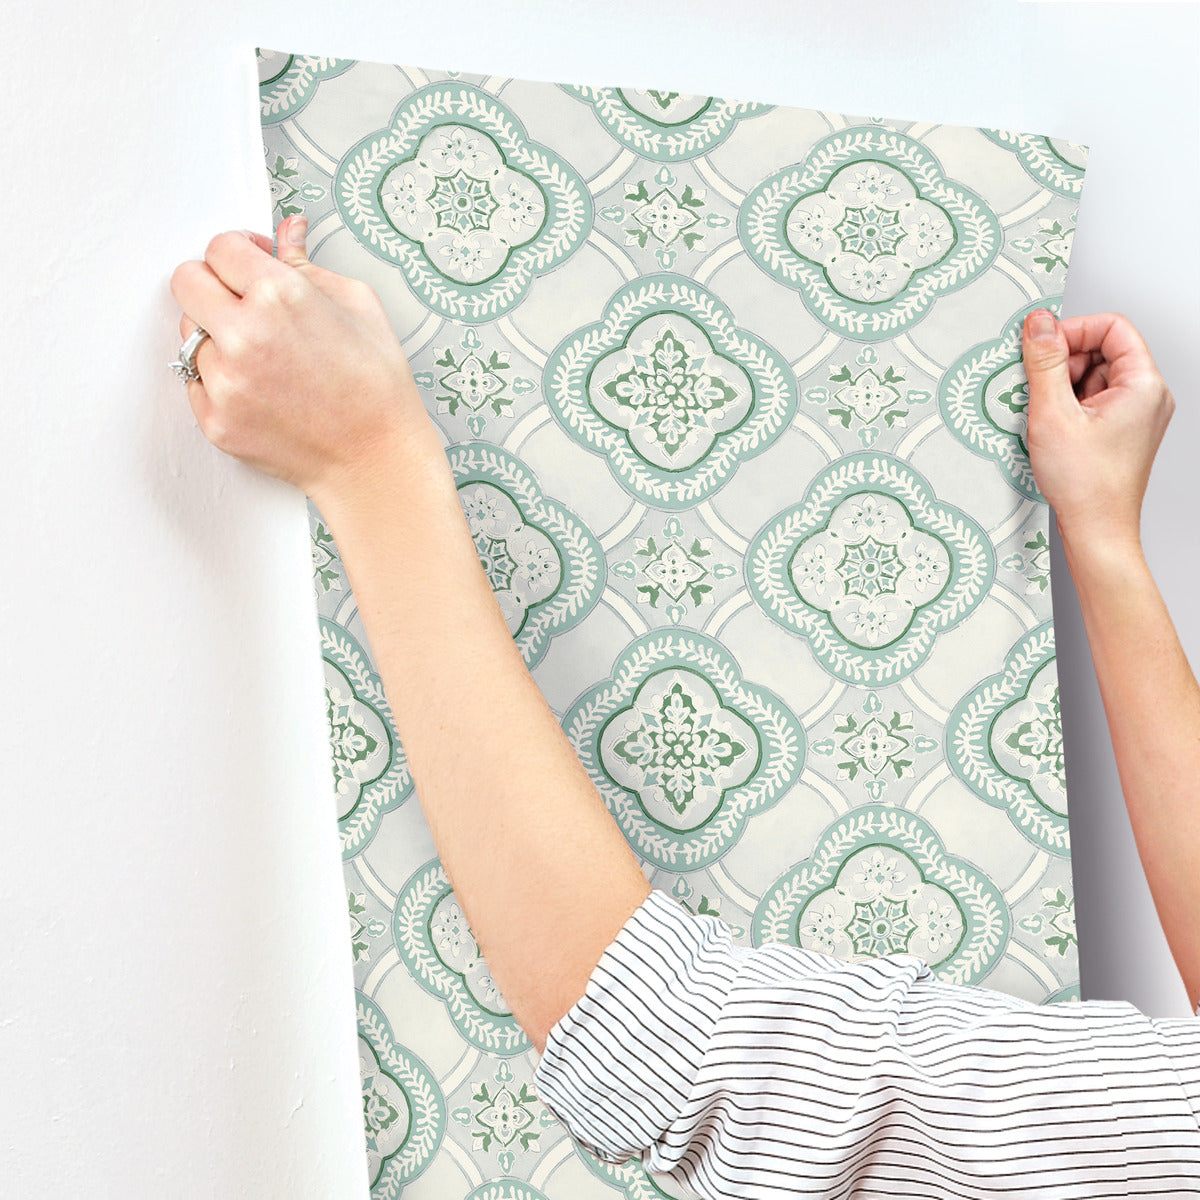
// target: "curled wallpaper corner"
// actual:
[[734, 397]]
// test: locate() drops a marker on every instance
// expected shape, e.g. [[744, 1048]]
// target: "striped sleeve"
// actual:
[[776, 1071]]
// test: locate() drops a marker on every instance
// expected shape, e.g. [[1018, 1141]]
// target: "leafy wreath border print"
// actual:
[[362, 168], [985, 911], [763, 215]]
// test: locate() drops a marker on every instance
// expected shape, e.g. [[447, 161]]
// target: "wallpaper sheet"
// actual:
[[734, 398]]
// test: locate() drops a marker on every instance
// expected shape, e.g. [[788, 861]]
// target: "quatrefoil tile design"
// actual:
[[733, 400], [455, 193], [870, 231]]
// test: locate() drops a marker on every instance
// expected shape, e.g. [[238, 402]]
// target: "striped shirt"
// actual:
[[776, 1071]]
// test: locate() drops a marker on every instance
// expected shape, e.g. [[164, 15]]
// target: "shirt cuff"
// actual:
[[618, 1067]]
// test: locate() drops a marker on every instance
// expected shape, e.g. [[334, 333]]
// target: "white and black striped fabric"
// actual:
[[776, 1071]]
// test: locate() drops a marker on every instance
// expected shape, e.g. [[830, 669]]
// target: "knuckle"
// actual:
[[181, 275], [234, 343], [216, 244]]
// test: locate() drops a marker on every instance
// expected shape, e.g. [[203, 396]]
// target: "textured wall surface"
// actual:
[[176, 990]]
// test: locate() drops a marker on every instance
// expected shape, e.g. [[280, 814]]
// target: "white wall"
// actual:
[[175, 993]]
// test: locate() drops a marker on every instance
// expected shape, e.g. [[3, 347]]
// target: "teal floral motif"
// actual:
[[287, 187], [369, 768], [683, 749], [1057, 918], [870, 567], [868, 391], [1035, 565], [880, 882], [1055, 163], [876, 750], [476, 384], [683, 891], [437, 945], [984, 398], [669, 390], [545, 566], [327, 563], [869, 230], [677, 569], [363, 927], [662, 125], [404, 1112], [455, 193], [1054, 240], [502, 1118], [1004, 741], [287, 82], [661, 216]]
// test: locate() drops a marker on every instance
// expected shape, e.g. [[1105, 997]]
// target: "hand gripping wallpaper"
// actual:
[[734, 397]]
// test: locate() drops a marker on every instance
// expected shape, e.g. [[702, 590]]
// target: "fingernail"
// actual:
[[298, 231], [1041, 324]]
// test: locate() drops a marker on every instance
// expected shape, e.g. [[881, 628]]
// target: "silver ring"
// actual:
[[185, 365]]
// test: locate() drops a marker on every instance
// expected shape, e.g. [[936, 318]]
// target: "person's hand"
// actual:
[[302, 375], [1098, 409]]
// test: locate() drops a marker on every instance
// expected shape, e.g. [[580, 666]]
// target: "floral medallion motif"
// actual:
[[1050, 247], [678, 570], [683, 749], [328, 573], [665, 125], [1053, 162], [504, 1120], [437, 945], [404, 1112], [669, 390], [1035, 566], [363, 927], [287, 82], [1056, 920], [369, 768], [473, 383], [869, 230], [984, 398], [867, 395], [1004, 741], [876, 749], [456, 195], [880, 882], [545, 566], [870, 567], [287, 187]]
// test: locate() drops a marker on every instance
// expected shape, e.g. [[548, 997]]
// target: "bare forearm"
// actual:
[[543, 873], [1152, 703]]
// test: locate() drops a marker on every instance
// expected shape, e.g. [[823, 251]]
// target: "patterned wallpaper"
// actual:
[[734, 399]]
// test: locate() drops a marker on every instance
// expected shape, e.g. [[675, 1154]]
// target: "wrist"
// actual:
[[1089, 547], [407, 465]]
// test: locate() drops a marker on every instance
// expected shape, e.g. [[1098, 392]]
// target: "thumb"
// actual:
[[1047, 360], [290, 238]]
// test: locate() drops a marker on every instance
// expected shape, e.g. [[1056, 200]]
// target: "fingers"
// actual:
[[290, 238], [203, 296], [1047, 361], [1110, 338], [238, 260], [198, 397]]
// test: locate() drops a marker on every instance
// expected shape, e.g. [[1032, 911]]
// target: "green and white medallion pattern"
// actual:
[[870, 231], [733, 398], [1053, 162], [669, 390]]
